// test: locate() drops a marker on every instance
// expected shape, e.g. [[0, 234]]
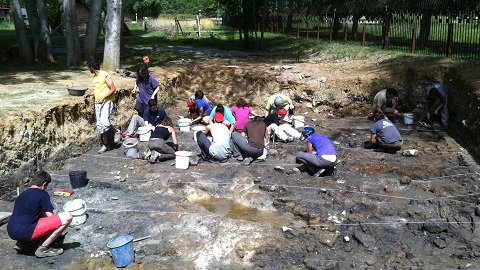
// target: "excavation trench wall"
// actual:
[[44, 139]]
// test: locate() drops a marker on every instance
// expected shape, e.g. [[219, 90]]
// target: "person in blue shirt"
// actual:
[[384, 134], [203, 109], [33, 220], [229, 119], [325, 157], [437, 92], [152, 116]]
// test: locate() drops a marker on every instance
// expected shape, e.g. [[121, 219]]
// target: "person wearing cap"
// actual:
[[203, 109], [192, 109], [218, 149], [104, 94], [284, 132], [384, 134], [249, 145], [153, 116], [148, 87], [325, 157], [437, 93], [229, 120], [386, 101], [278, 101]]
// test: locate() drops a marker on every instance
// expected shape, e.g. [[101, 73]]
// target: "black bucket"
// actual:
[[78, 179]]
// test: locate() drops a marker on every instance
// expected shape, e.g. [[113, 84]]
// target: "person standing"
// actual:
[[148, 87], [218, 150], [104, 93], [33, 219], [437, 92], [242, 112], [249, 145], [325, 157], [386, 101], [384, 134]]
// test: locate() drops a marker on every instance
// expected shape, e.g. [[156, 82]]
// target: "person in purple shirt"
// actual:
[[325, 157], [148, 87], [242, 112], [384, 134]]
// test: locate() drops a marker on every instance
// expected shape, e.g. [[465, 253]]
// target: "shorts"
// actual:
[[103, 112], [46, 226]]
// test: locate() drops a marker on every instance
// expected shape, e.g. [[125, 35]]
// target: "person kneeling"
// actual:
[[325, 157], [384, 135], [219, 149], [33, 220], [250, 144]]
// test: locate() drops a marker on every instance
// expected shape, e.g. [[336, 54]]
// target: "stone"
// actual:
[[4, 217], [440, 243], [367, 241]]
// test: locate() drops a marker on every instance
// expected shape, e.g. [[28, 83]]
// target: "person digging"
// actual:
[[384, 136], [33, 221]]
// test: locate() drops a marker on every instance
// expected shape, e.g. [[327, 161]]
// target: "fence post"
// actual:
[[450, 40], [318, 30], [298, 29], [364, 33], [331, 33], [307, 27], [414, 38], [345, 34]]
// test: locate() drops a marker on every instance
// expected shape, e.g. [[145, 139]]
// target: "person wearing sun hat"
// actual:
[[284, 132], [218, 150], [325, 157]]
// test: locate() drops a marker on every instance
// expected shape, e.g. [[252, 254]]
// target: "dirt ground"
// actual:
[[378, 211]]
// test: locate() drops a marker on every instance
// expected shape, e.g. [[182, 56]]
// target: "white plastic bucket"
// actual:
[[408, 118], [184, 124], [144, 133], [78, 209], [196, 129], [298, 121], [182, 159]]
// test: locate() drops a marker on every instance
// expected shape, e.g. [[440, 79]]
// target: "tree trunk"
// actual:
[[44, 32], [290, 16], [355, 19], [72, 40], [113, 33], [34, 24], [425, 26], [25, 48], [93, 27]]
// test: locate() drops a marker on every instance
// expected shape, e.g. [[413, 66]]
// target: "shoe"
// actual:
[[240, 158], [154, 156], [319, 172], [24, 246], [43, 252], [290, 139], [146, 155], [103, 149], [247, 161]]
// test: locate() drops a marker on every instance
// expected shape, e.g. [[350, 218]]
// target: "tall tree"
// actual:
[[72, 40], [26, 53], [93, 27], [39, 29], [113, 22]]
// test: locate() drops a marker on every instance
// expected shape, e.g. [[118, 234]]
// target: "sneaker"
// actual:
[[24, 246], [319, 172], [154, 156], [146, 154], [290, 139], [103, 149], [240, 158], [43, 252], [247, 161]]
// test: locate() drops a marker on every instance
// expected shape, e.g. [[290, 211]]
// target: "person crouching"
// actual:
[[325, 157], [250, 144], [218, 150]]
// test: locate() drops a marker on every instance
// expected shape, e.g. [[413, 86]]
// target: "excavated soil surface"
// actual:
[[378, 211]]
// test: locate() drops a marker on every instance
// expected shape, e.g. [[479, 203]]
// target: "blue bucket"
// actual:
[[121, 249]]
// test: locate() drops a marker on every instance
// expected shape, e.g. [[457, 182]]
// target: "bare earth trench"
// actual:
[[378, 211]]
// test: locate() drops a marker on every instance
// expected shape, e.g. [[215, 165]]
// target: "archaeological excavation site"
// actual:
[[415, 209]]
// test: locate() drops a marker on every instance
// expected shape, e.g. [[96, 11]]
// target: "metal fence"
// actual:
[[419, 33]]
